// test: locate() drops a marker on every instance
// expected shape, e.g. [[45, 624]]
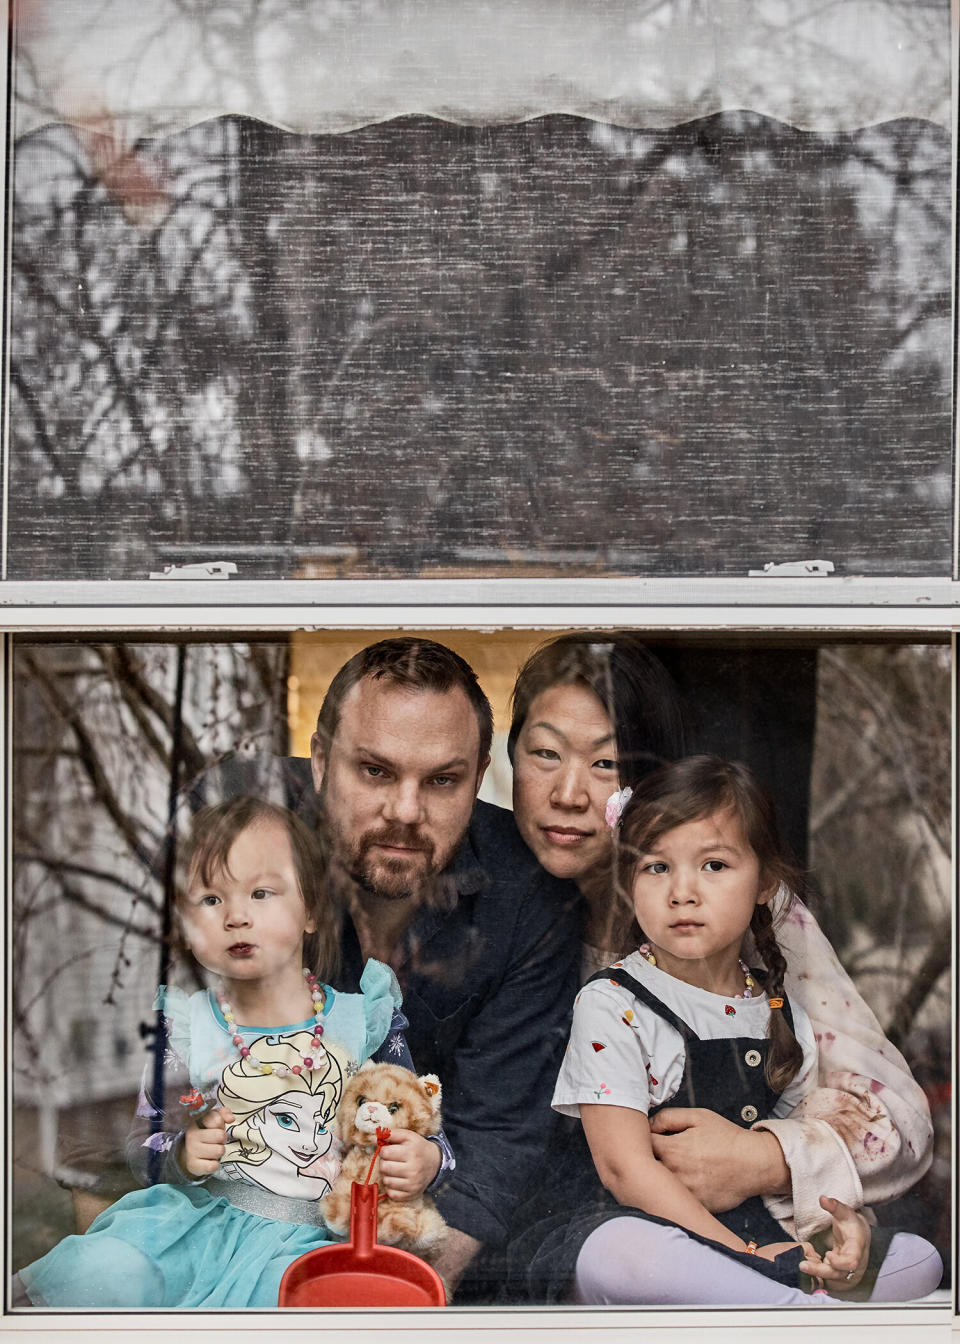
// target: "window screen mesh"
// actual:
[[419, 348]]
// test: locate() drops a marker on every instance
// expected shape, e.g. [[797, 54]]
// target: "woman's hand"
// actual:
[[843, 1266], [205, 1142], [719, 1162], [408, 1163]]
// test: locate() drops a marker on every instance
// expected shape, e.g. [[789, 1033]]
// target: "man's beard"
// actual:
[[393, 878]]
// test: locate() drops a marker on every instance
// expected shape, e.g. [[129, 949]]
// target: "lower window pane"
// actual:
[[852, 736]]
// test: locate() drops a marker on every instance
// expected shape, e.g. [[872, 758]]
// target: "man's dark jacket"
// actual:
[[488, 975]]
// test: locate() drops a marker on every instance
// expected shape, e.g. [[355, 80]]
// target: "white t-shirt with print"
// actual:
[[621, 1053]]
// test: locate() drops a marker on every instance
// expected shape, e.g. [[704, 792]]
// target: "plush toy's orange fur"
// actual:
[[390, 1097]]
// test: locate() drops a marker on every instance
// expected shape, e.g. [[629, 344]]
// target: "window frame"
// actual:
[[925, 1322], [752, 607]]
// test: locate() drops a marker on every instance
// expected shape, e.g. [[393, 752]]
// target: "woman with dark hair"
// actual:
[[592, 713]]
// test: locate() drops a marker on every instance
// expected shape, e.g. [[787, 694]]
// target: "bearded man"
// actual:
[[442, 888]]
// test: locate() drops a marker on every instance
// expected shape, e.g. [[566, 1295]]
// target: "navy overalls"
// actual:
[[726, 1076]]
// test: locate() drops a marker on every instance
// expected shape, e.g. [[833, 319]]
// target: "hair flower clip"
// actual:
[[615, 805]]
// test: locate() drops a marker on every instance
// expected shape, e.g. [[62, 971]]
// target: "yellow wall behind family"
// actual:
[[495, 656]]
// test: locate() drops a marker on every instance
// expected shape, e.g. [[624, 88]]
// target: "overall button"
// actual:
[[753, 1058], [749, 1113]]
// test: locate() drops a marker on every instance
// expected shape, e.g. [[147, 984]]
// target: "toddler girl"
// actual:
[[264, 1060], [683, 1020]]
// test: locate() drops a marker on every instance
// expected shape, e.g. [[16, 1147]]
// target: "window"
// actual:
[[525, 320]]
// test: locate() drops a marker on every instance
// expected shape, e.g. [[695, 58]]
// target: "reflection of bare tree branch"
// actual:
[[29, 851], [832, 806], [90, 760], [31, 402], [560, 263], [896, 736], [880, 816], [74, 896], [935, 964], [901, 180], [125, 319], [45, 984], [121, 391], [272, 667], [137, 693], [133, 698], [174, 310]]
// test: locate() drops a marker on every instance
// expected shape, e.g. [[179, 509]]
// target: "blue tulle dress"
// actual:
[[226, 1241]]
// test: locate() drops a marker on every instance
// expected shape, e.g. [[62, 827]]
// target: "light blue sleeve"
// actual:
[[154, 1139], [381, 997], [175, 1006]]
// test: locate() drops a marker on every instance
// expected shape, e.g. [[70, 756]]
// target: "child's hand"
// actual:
[[205, 1142], [408, 1163], [775, 1248], [843, 1267]]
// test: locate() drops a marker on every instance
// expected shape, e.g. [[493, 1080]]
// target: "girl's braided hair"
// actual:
[[697, 787]]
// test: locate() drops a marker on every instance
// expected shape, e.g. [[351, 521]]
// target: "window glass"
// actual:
[[854, 738], [358, 290]]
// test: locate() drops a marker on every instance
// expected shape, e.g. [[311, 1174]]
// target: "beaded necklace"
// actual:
[[319, 998], [748, 981]]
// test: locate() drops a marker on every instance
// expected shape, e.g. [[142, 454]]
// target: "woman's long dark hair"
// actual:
[[697, 787], [631, 683]]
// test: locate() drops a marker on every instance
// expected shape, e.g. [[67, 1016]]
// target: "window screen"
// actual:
[[421, 349]]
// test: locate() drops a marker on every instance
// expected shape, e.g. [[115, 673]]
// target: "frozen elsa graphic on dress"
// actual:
[[281, 1137]]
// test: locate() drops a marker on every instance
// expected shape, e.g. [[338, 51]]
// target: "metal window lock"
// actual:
[[793, 569], [213, 569]]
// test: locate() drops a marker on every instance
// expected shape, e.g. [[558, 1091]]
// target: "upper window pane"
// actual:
[[417, 348]]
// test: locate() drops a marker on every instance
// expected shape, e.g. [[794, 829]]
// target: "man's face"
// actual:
[[398, 784]]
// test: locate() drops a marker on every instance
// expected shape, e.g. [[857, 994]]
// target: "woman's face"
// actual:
[[564, 770]]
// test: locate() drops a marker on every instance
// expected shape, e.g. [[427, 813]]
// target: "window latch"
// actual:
[[213, 569], [793, 569]]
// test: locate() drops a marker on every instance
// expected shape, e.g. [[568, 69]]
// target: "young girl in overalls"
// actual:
[[685, 1021], [263, 1060]]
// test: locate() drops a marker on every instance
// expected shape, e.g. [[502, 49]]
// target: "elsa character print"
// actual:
[[280, 1138]]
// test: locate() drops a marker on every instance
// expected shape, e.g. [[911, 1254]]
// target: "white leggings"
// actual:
[[630, 1262]]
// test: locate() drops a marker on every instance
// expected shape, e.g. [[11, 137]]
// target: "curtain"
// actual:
[[334, 65]]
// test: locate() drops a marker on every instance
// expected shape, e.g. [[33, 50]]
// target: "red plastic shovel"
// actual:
[[360, 1272]]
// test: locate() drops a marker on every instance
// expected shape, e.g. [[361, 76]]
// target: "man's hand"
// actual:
[[720, 1163], [205, 1142], [843, 1266], [408, 1163]]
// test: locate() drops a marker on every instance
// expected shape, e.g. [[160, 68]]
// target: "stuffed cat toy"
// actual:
[[385, 1096]]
